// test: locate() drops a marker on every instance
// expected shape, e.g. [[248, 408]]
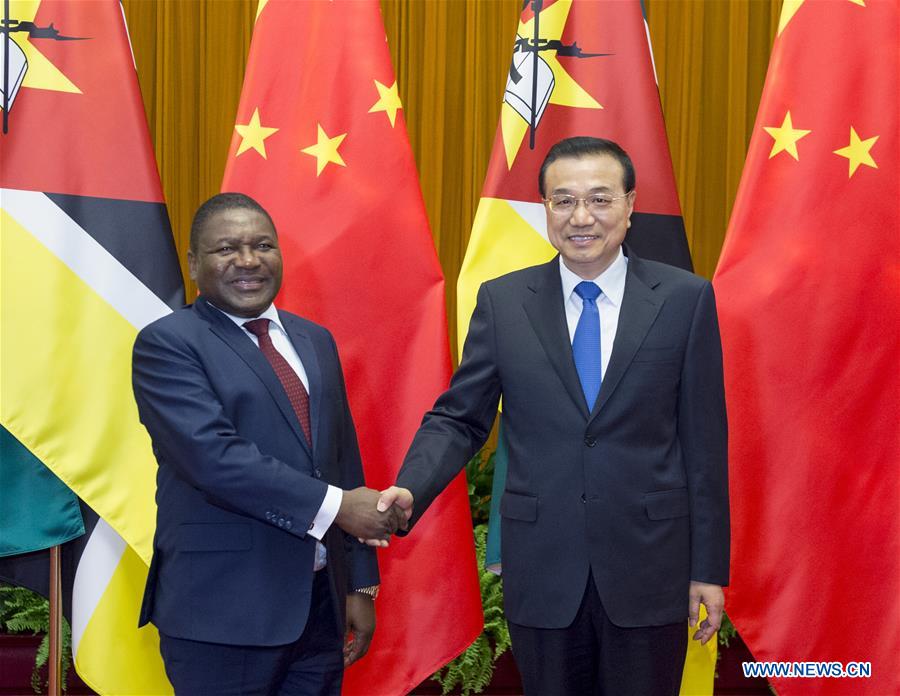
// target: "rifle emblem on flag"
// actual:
[[14, 60], [531, 80]]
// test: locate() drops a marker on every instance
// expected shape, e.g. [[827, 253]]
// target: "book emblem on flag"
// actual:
[[531, 79], [13, 60]]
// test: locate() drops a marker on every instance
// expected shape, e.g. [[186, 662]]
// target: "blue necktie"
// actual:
[[586, 344]]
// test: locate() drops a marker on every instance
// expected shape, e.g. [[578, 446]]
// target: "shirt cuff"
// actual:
[[327, 512]]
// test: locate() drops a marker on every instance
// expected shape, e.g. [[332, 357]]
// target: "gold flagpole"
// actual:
[[55, 629]]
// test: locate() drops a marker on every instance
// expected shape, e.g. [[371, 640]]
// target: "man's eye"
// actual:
[[265, 246], [564, 202], [224, 249], [599, 201]]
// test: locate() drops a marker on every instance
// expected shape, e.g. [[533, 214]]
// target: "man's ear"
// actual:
[[192, 265]]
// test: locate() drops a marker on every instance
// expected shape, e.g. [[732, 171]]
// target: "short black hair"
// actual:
[[218, 203], [583, 146]]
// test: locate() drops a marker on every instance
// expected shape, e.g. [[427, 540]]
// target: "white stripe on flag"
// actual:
[[533, 214], [95, 266], [98, 562]]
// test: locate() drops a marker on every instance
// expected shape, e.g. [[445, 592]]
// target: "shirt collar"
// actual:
[[271, 314], [611, 282]]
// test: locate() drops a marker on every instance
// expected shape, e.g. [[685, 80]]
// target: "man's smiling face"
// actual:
[[588, 242], [237, 262]]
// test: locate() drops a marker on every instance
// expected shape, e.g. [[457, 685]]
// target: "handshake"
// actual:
[[371, 516]]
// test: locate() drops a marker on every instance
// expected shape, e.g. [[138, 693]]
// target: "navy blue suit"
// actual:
[[238, 484]]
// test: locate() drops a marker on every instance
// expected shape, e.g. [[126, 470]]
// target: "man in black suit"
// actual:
[[615, 514], [257, 571]]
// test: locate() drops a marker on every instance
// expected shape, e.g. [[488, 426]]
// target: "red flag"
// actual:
[[808, 290], [321, 143]]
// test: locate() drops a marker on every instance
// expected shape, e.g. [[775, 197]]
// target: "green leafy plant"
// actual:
[[472, 671], [727, 631], [23, 611], [480, 475]]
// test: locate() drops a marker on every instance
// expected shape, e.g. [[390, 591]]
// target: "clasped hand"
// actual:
[[363, 514]]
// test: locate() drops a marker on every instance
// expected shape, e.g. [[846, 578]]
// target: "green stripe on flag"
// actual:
[[38, 510]]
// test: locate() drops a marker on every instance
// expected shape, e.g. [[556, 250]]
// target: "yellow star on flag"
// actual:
[[326, 150], [388, 101], [41, 73], [786, 137], [253, 135], [790, 7], [566, 91], [788, 10], [857, 152]]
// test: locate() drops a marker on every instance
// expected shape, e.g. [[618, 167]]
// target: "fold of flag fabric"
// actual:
[[808, 287], [37, 510], [321, 143], [604, 87], [87, 260]]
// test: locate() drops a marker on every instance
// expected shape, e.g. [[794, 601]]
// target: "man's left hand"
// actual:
[[713, 598], [360, 626]]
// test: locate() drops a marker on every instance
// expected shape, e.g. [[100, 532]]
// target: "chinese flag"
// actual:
[[808, 289], [320, 142]]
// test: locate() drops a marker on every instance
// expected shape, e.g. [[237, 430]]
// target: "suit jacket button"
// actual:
[[269, 515], [287, 524], [280, 521], [590, 441], [318, 473], [583, 499]]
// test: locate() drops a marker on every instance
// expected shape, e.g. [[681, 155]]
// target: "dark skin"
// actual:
[[358, 512], [237, 266], [360, 627]]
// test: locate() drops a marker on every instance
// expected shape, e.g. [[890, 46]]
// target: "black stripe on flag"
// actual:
[[660, 238], [137, 234]]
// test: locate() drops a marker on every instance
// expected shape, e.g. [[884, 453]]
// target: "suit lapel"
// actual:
[[546, 312], [304, 347], [640, 306], [241, 344]]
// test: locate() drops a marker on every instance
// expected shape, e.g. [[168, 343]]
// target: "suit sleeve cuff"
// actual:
[[327, 512]]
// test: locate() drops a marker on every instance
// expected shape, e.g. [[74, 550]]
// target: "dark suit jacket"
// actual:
[[635, 490], [238, 486]]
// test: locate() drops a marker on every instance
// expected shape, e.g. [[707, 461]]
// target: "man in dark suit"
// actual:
[[256, 568], [615, 514]]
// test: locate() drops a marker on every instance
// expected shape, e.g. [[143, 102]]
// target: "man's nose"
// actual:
[[247, 257], [581, 216]]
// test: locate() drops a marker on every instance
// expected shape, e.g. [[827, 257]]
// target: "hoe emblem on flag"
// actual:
[[14, 59], [531, 78]]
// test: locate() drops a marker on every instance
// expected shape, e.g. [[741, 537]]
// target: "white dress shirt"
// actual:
[[333, 496], [612, 287]]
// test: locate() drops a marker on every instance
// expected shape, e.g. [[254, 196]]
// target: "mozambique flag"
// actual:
[[87, 261], [808, 287], [592, 74], [321, 143]]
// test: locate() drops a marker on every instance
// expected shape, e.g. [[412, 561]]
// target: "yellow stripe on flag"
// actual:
[[699, 664], [502, 241], [67, 386], [113, 646]]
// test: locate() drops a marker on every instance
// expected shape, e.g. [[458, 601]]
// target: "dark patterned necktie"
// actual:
[[289, 379]]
